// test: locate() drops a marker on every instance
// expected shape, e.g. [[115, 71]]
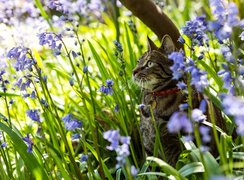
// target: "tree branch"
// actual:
[[151, 15]]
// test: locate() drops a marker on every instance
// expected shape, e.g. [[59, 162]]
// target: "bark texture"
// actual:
[[152, 16]]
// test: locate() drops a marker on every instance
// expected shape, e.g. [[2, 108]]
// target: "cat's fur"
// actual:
[[157, 76]]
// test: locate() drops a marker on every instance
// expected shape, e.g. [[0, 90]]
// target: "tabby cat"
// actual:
[[154, 76]]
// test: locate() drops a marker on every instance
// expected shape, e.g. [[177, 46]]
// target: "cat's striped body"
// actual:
[[153, 74]]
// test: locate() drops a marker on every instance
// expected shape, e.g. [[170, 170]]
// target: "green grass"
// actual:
[[53, 156]]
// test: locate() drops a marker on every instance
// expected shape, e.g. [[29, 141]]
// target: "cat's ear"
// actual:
[[151, 45], [167, 45]]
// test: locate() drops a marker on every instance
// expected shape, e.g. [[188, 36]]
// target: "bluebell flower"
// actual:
[[83, 157], [113, 146], [53, 4], [28, 140], [133, 171], [241, 23], [6, 81], [34, 115], [181, 85], [71, 82], [239, 120], [194, 30], [204, 148], [94, 5], [75, 136], [28, 82], [102, 89], [181, 39], [5, 119], [121, 161], [234, 106], [33, 95], [46, 105], [85, 69], [38, 130], [23, 87], [109, 82], [188, 138], [107, 89], [44, 78], [73, 125], [66, 119], [204, 131], [242, 36], [74, 54], [114, 137], [125, 140], [178, 121], [224, 65], [2, 72], [51, 39], [116, 108], [241, 70], [198, 78], [4, 144], [1, 135], [203, 105], [118, 45], [111, 135], [227, 79], [11, 101], [141, 106], [178, 66], [197, 115], [226, 16], [184, 106], [200, 57], [20, 55], [124, 150], [4, 88], [218, 9]]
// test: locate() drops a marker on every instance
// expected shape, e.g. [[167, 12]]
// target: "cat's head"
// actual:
[[152, 72]]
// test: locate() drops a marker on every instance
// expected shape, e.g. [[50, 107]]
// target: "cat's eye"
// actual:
[[149, 64]]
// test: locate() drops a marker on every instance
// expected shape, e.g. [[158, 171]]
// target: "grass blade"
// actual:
[[167, 168], [30, 160]]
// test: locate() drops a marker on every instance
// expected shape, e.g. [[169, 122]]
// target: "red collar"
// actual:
[[165, 92]]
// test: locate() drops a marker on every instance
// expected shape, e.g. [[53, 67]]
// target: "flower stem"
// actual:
[[87, 113]]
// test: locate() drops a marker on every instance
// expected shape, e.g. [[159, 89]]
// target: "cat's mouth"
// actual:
[[146, 83]]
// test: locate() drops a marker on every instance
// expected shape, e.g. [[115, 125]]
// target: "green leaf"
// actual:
[[30, 160], [62, 73], [118, 174], [238, 155], [213, 98], [9, 94], [212, 73], [195, 167], [106, 171], [130, 49], [43, 13], [211, 164], [167, 168], [59, 163], [2, 116], [152, 175], [99, 62]]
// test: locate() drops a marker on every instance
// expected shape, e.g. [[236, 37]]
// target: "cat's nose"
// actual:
[[134, 71]]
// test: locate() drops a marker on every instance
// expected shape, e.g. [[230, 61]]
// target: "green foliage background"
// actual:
[[96, 111]]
